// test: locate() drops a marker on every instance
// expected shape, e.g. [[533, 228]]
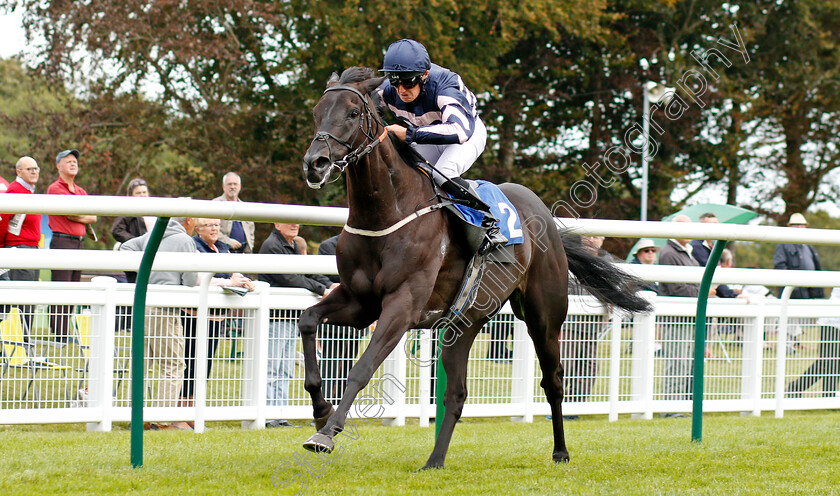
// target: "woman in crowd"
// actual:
[[206, 241]]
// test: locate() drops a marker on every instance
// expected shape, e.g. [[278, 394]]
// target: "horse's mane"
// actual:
[[357, 75], [406, 152]]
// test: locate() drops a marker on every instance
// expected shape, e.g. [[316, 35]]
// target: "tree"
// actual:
[[559, 83], [793, 104]]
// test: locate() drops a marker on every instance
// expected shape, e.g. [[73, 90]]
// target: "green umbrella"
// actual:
[[729, 214]]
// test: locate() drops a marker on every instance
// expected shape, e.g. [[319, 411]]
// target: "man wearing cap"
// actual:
[[68, 231], [646, 254], [236, 233], [790, 256], [701, 249]]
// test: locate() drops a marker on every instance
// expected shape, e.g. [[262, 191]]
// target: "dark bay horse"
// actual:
[[403, 270]]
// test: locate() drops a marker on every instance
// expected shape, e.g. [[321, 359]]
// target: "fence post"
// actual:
[[524, 371], [137, 334], [258, 363], [425, 366], [440, 384], [643, 358], [100, 371], [753, 346], [615, 366], [200, 355], [394, 395], [781, 351], [700, 341]]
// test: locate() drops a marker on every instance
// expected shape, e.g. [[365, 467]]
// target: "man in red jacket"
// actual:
[[22, 231]]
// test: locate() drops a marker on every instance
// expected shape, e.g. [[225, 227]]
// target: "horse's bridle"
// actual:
[[366, 126]]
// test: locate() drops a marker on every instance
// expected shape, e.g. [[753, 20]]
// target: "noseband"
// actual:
[[366, 127]]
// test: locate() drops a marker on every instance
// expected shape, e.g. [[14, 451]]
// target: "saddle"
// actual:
[[473, 222]]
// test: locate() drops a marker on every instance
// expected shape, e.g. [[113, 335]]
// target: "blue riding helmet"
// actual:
[[406, 57]]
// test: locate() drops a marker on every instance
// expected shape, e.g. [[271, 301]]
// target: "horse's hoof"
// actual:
[[319, 443], [431, 466], [561, 458], [320, 422]]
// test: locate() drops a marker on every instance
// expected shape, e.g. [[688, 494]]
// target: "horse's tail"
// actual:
[[602, 278]]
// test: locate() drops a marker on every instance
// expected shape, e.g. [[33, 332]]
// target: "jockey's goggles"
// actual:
[[405, 82]]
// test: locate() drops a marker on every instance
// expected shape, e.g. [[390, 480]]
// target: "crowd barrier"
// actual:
[[83, 374]]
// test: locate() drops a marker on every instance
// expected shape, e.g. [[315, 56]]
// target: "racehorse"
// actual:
[[401, 265]]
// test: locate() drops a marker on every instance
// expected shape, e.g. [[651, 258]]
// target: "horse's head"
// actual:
[[345, 123]]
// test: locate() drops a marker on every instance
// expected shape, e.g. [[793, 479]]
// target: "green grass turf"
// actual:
[[799, 454]]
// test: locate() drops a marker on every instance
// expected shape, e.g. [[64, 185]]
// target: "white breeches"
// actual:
[[455, 159]]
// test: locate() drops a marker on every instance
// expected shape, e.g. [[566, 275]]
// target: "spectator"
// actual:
[[68, 232], [646, 254], [678, 338], [723, 325], [206, 241], [300, 246], [4, 185], [723, 290], [164, 337], [22, 231], [339, 345], [798, 257], [281, 328], [701, 249], [239, 235], [790, 256], [125, 228], [827, 365]]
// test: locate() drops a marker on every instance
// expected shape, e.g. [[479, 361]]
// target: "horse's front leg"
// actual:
[[338, 308], [397, 314]]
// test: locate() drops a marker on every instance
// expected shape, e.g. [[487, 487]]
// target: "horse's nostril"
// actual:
[[320, 163]]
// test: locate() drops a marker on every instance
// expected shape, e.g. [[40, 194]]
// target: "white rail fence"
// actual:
[[88, 379], [755, 350]]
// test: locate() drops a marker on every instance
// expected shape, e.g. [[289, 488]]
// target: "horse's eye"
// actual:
[[353, 114]]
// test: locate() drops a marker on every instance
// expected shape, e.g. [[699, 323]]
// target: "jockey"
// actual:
[[443, 122]]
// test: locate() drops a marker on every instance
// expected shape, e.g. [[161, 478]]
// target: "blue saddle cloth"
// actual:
[[500, 207]]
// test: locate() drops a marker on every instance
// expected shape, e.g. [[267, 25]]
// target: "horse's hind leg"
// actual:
[[544, 316], [552, 382], [455, 357]]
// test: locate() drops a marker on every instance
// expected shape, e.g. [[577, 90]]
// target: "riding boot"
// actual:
[[461, 190]]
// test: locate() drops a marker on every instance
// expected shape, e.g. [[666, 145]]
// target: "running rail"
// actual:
[[262, 212]]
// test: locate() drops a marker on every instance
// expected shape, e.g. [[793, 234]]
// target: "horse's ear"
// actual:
[[371, 84], [333, 80]]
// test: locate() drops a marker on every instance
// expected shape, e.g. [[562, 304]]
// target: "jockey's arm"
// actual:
[[457, 125], [397, 130]]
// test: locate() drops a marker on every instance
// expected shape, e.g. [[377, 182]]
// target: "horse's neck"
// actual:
[[382, 189]]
